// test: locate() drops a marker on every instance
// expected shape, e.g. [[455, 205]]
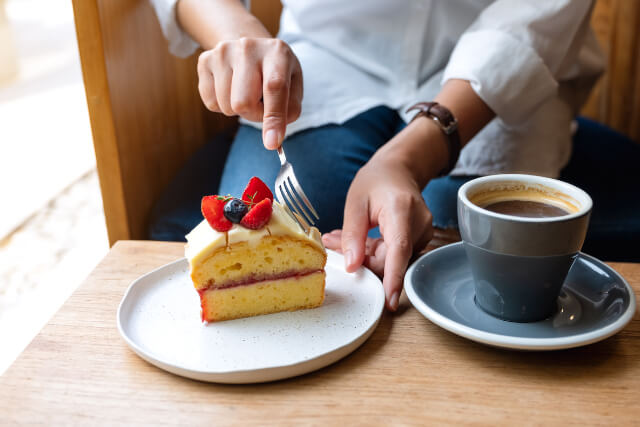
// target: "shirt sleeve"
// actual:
[[517, 51], [180, 43]]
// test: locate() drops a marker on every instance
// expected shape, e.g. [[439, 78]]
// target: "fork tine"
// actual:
[[278, 185], [295, 197], [293, 203], [285, 203], [290, 194], [277, 196], [303, 197]]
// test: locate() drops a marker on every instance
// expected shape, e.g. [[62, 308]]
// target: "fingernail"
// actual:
[[393, 301], [348, 257], [271, 139]]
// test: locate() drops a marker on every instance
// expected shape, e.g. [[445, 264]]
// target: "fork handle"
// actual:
[[283, 158]]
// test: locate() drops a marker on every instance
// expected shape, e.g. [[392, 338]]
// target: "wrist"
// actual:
[[209, 23], [246, 26], [431, 153], [422, 148], [471, 112]]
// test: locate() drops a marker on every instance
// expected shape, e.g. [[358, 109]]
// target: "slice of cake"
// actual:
[[250, 257]]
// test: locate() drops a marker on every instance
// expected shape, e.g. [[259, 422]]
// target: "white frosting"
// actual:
[[203, 239]]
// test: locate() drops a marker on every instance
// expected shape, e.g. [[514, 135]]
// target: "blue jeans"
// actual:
[[327, 158]]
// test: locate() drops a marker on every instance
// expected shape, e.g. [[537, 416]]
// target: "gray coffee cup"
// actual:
[[520, 263]]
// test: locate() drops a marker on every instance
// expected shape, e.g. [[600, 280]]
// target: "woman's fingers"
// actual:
[[295, 94], [217, 61], [206, 85], [376, 255], [404, 228], [246, 86], [354, 229], [423, 230], [276, 76], [333, 241], [222, 82], [395, 229], [258, 79], [375, 250]]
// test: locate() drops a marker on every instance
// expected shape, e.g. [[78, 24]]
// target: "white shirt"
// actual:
[[533, 62]]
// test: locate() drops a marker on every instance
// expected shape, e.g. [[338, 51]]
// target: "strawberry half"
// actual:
[[258, 215], [213, 210], [256, 191]]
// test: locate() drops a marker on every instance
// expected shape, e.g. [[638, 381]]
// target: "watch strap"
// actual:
[[447, 123]]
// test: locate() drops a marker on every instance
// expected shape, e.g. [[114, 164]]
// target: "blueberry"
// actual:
[[235, 210]]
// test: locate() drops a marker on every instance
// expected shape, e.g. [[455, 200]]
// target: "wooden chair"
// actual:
[[147, 118]]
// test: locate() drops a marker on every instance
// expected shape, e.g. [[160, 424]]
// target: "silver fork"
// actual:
[[290, 194]]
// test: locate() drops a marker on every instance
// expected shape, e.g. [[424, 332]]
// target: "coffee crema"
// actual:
[[525, 201]]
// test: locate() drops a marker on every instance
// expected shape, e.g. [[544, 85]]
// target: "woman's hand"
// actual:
[[384, 193], [387, 192], [259, 79]]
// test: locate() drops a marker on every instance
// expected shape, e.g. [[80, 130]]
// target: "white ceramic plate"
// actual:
[[159, 318]]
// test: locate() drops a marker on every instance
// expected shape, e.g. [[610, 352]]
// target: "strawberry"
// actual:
[[256, 191], [258, 216], [213, 210]]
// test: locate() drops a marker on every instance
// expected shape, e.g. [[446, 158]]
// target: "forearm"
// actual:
[[211, 21], [467, 107], [422, 146]]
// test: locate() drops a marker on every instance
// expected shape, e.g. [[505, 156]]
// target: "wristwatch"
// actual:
[[449, 126]]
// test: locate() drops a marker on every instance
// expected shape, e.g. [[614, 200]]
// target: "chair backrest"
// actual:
[[147, 118], [615, 101]]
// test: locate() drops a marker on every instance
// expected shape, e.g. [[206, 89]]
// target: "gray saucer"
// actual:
[[595, 303]]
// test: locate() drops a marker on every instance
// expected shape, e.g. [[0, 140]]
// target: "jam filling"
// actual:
[[255, 278]]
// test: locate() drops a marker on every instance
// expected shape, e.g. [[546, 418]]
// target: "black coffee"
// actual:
[[526, 208]]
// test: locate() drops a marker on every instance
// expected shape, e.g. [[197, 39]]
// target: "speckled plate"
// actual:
[[595, 303], [159, 318]]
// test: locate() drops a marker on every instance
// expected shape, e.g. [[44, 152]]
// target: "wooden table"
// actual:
[[79, 371]]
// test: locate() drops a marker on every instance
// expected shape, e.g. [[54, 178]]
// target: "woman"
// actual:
[[336, 86]]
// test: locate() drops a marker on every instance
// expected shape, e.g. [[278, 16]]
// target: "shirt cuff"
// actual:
[[508, 75], [180, 44]]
